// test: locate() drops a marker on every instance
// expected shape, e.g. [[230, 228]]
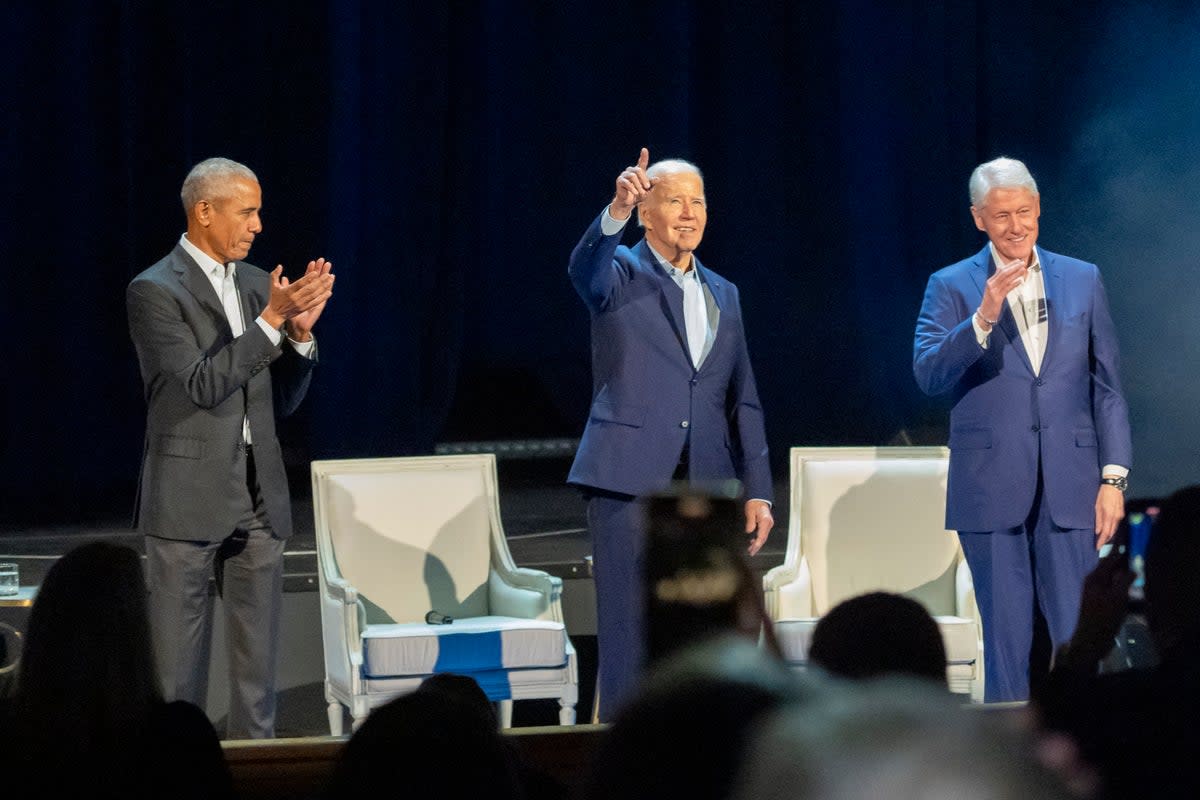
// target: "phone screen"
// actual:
[[1141, 525]]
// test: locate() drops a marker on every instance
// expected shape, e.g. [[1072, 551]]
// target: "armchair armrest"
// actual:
[[343, 618], [788, 591], [525, 593], [340, 589]]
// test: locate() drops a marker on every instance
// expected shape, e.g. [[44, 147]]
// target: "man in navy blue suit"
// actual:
[[1022, 341], [673, 392]]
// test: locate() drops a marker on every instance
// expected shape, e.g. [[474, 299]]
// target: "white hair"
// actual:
[[208, 179], [1000, 173], [671, 166]]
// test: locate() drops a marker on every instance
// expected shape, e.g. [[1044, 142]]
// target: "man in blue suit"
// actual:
[[1021, 340], [673, 392]]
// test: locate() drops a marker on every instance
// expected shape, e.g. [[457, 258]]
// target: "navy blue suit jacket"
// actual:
[[647, 398], [1072, 416]]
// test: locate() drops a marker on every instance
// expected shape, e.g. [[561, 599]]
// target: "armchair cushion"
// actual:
[[795, 637], [959, 637], [471, 645]]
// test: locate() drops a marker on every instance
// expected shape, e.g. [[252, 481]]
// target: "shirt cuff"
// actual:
[[303, 348], [759, 499], [275, 336], [610, 226], [1115, 470], [981, 335]]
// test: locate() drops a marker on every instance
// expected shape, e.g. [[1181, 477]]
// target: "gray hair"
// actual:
[[1000, 173], [208, 179], [895, 738], [670, 166]]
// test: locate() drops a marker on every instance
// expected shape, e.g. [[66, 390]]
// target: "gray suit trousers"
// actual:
[[247, 566]]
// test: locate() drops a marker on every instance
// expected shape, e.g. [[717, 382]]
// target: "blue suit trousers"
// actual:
[[1019, 572]]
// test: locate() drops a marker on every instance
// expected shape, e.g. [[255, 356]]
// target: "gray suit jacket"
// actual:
[[199, 382]]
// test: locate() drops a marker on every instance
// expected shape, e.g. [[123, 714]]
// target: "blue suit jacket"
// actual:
[[647, 398], [1005, 418]]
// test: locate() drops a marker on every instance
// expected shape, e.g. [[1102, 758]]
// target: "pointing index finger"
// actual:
[[643, 159]]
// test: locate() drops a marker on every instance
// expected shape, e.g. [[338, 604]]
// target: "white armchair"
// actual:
[[867, 519], [400, 537]]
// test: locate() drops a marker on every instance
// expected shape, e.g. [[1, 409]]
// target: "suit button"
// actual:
[[693, 382], [683, 424], [1039, 382], [1036, 428]]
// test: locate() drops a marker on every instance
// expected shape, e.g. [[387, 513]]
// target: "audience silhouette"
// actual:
[[1140, 728], [440, 741], [717, 716], [683, 733], [878, 634], [88, 715]]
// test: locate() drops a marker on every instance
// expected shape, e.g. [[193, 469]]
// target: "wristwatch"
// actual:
[[1122, 484]]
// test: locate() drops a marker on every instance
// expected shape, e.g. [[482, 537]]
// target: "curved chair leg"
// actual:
[[566, 712], [335, 718], [504, 712]]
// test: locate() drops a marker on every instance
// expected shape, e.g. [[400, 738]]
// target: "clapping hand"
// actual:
[[299, 303]]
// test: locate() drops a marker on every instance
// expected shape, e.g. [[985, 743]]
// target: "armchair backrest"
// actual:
[[410, 534], [873, 518]]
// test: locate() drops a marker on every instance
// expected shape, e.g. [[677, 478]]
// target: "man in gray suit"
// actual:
[[223, 347]]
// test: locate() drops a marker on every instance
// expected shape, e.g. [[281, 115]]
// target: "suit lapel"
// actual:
[[670, 295], [196, 282], [1052, 278]]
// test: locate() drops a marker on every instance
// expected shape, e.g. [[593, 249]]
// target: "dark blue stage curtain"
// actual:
[[447, 155]]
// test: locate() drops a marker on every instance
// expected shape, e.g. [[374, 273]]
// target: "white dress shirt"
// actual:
[[223, 278]]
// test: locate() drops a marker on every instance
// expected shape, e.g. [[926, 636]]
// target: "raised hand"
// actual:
[[296, 300], [1006, 278], [633, 185]]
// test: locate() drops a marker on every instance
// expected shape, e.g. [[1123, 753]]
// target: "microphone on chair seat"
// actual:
[[437, 618]]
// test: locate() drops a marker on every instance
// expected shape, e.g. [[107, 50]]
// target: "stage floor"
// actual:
[[544, 521]]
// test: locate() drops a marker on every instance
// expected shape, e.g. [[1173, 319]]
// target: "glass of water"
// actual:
[[10, 580]]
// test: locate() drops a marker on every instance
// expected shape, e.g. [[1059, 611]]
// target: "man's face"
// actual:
[[674, 214], [228, 223], [1010, 219]]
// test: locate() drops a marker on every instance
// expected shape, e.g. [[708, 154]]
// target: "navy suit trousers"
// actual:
[[1018, 572], [617, 527]]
